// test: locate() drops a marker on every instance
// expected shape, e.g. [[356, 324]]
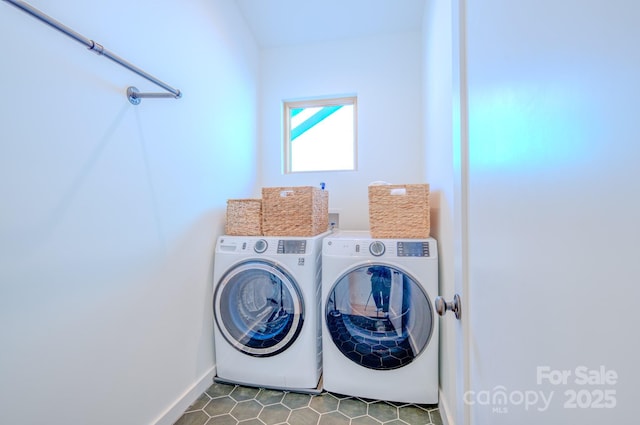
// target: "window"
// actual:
[[320, 135]]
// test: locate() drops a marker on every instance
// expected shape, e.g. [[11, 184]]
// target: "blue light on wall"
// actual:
[[521, 128]]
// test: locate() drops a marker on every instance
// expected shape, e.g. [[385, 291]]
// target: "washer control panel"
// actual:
[[288, 246], [413, 249], [264, 246]]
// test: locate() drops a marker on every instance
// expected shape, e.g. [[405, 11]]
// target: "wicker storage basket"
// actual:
[[399, 211], [244, 217], [294, 211]]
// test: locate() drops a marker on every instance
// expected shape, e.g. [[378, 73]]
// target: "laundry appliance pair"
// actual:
[[352, 310]]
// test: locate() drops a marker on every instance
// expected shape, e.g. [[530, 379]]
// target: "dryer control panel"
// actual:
[[381, 248]]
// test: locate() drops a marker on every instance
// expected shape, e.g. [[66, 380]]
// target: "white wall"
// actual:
[[110, 211], [385, 72]]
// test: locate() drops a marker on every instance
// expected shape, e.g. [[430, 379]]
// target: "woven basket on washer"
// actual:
[[294, 211], [399, 211], [244, 217]]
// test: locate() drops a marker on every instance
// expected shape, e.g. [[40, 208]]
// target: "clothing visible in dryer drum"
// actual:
[[266, 308], [260, 311]]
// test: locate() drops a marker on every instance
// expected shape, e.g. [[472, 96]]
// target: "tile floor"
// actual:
[[226, 404]]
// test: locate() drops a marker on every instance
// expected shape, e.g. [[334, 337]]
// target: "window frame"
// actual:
[[288, 105]]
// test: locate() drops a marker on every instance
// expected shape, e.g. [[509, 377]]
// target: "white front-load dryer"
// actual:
[[266, 307], [380, 334]]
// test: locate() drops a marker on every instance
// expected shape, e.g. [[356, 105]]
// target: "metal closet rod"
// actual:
[[133, 94]]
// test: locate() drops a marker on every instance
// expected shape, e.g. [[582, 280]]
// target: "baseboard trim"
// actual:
[[445, 413], [173, 413]]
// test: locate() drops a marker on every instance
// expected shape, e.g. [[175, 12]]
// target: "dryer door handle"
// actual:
[[443, 306]]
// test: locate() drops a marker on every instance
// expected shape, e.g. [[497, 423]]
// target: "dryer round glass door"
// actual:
[[258, 308], [379, 316]]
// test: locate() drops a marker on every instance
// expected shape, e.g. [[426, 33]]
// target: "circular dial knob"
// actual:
[[260, 246], [376, 248]]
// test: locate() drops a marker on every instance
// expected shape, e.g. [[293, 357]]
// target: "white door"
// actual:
[[550, 184]]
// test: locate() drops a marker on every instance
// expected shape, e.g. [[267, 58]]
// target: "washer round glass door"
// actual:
[[258, 308], [379, 317]]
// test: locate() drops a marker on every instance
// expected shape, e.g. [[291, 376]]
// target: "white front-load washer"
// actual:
[[380, 334], [266, 306]]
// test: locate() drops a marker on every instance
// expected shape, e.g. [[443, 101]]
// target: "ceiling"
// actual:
[[277, 23]]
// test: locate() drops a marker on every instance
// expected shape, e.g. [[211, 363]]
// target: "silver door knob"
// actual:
[[443, 306]]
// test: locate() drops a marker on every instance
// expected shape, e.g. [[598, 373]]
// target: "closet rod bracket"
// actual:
[[132, 95], [135, 96]]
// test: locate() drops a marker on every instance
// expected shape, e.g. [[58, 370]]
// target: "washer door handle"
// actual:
[[443, 306]]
